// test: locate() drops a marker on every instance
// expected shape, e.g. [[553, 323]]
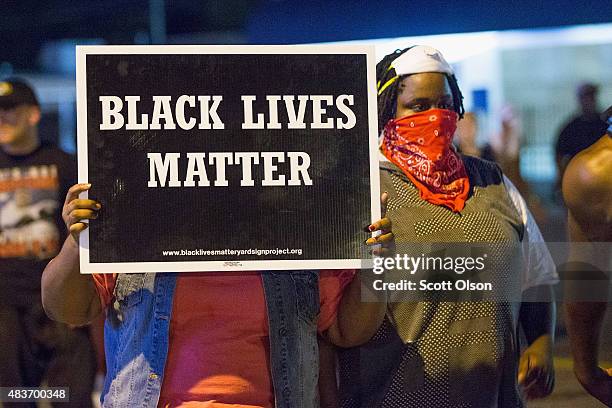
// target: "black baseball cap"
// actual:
[[15, 92]]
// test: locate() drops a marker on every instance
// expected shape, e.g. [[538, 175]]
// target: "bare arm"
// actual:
[[584, 319], [358, 320], [586, 189], [536, 370], [67, 295], [538, 318], [362, 309]]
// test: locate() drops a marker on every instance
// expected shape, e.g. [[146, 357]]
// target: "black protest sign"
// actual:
[[235, 158]]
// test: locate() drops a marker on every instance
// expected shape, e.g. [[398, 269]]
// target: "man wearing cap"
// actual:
[[582, 130], [34, 178]]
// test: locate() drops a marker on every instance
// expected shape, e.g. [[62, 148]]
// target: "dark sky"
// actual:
[[25, 25]]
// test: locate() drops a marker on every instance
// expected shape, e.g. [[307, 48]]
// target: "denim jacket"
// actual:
[[137, 331]]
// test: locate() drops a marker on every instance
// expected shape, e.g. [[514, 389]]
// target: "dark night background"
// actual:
[[27, 26]]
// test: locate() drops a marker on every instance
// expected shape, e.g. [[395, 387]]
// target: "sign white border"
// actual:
[[234, 265]]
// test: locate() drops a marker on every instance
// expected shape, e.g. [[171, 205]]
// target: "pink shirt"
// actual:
[[218, 355]]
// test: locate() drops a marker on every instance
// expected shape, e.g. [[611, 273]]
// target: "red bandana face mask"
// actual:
[[421, 145]]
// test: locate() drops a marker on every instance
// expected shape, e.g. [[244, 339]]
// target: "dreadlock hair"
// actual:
[[387, 99]]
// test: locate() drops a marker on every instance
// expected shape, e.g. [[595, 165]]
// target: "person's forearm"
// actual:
[[358, 316], [584, 321], [586, 291], [539, 318], [67, 295]]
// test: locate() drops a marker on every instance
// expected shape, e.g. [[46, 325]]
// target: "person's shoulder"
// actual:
[[54, 155], [482, 172], [571, 123], [568, 130], [487, 152], [478, 161], [386, 166], [387, 169], [51, 149], [589, 174]]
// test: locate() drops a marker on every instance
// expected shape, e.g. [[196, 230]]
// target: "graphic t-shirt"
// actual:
[[32, 192]]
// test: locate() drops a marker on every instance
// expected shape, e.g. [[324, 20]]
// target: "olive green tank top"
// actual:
[[458, 350]]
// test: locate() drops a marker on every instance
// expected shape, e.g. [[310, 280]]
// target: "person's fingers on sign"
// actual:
[[76, 210], [383, 243]]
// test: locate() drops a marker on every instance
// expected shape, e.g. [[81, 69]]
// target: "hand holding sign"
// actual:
[[386, 239], [76, 210]]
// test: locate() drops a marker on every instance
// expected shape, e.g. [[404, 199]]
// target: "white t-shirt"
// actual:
[[539, 267]]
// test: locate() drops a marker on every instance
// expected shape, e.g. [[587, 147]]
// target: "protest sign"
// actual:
[[210, 158]]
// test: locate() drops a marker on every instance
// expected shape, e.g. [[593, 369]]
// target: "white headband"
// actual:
[[419, 59]]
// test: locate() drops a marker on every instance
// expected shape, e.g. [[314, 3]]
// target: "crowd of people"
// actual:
[[307, 338]]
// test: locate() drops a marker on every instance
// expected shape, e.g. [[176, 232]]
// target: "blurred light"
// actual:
[[457, 47], [59, 57]]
